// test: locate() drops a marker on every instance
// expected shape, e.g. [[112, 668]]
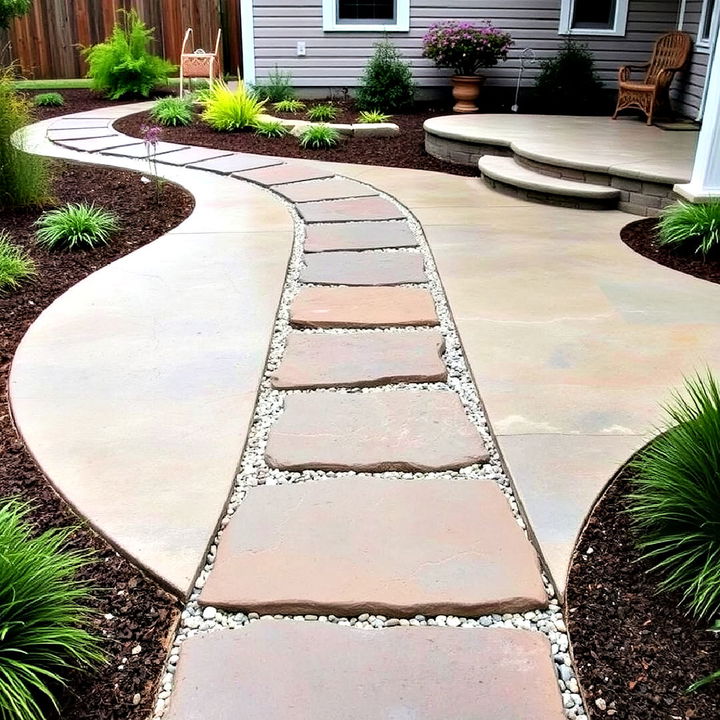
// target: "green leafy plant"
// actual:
[[50, 99], [324, 112], [684, 225], [16, 265], [271, 129], [373, 116], [227, 109], [77, 225], [289, 106], [675, 502], [172, 111], [387, 82], [123, 64], [319, 137], [44, 619], [278, 87], [11, 9]]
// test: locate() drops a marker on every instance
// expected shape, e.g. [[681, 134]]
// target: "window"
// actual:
[[708, 22], [366, 15], [593, 17]]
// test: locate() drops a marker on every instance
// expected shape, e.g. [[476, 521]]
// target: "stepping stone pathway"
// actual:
[[285, 173], [80, 133], [366, 268], [141, 150], [235, 163], [368, 208], [326, 190], [190, 155], [358, 236]]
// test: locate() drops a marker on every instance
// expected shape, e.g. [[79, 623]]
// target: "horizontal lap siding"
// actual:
[[690, 89]]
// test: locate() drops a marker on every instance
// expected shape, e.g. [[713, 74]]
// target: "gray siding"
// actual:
[[690, 87]]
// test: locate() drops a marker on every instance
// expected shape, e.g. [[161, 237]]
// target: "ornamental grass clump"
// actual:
[[271, 129], [387, 82], [227, 110], [692, 226], [16, 266], [289, 106], [373, 116], [76, 226], [172, 111], [324, 112], [50, 99], [278, 88], [675, 501], [319, 137], [44, 617]]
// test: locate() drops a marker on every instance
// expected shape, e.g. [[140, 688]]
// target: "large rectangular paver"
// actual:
[[236, 162], [353, 209], [358, 236], [313, 360], [190, 155], [100, 144], [358, 307], [371, 544], [407, 430], [363, 268], [141, 150], [80, 133], [285, 173], [333, 189], [284, 670]]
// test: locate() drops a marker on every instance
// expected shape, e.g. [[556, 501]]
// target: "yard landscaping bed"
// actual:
[[636, 651], [132, 609]]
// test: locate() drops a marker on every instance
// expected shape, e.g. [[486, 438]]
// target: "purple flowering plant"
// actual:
[[151, 135], [466, 47]]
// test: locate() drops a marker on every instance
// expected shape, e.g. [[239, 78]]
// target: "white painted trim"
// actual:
[[331, 24], [681, 15], [618, 29], [706, 45], [247, 31]]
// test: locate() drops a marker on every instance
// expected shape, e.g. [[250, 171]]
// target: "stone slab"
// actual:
[[333, 189], [140, 150], [285, 670], [285, 173], [404, 430], [235, 163], [313, 360], [80, 133], [392, 547], [368, 208], [359, 236], [191, 155], [81, 122], [358, 307], [100, 144], [363, 268]]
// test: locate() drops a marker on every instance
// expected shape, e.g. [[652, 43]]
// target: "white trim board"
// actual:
[[621, 14], [331, 24], [247, 33]]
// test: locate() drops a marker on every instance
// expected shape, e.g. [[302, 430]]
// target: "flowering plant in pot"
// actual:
[[466, 48]]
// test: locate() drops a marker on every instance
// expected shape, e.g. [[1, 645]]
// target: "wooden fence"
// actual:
[[45, 42]]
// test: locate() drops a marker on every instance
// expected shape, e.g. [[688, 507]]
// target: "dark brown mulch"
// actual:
[[133, 608], [634, 649], [407, 150], [641, 236]]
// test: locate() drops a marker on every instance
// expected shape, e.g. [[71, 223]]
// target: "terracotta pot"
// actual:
[[466, 89]]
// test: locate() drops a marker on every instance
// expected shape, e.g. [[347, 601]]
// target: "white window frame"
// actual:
[[331, 24], [706, 45], [566, 13]]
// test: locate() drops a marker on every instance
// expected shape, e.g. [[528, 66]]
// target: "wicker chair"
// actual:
[[197, 63], [670, 54]]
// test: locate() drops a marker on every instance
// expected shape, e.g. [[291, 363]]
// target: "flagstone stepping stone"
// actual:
[[405, 430], [368, 208], [313, 360], [100, 144], [190, 155], [79, 133], [285, 670], [324, 190], [236, 162], [285, 173], [141, 151], [358, 236], [83, 122], [392, 547], [358, 307], [365, 268]]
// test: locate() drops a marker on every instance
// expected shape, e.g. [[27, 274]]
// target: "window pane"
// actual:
[[707, 20], [595, 14], [349, 10]]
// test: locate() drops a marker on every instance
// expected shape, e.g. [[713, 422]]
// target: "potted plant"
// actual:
[[466, 48]]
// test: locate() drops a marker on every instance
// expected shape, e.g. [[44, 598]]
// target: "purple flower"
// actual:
[[151, 134]]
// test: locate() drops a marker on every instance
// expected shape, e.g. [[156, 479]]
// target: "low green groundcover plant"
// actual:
[[50, 99], [675, 502], [387, 82], [324, 112], [44, 619], [290, 106], [77, 225], [373, 116], [271, 129], [278, 87], [16, 265], [318, 137], [228, 110], [693, 226], [123, 64], [172, 111]]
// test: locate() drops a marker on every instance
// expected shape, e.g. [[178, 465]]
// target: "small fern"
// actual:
[[172, 111], [50, 99]]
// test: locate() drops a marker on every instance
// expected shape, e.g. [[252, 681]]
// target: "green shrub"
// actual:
[[695, 226], [324, 112], [24, 178], [123, 64], [44, 620], [10, 9], [319, 136], [50, 99], [373, 116], [15, 264], [387, 83], [227, 110], [271, 129], [568, 82], [675, 502], [76, 226], [278, 87], [172, 111], [290, 106]]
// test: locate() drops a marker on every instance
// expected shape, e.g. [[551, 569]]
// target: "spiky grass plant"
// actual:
[[44, 618], [324, 112], [691, 225], [172, 111], [373, 116], [675, 501], [16, 266], [271, 129], [227, 110], [49, 99], [289, 106], [279, 86], [319, 137], [77, 225]]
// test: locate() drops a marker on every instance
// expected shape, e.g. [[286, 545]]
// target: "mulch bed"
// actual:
[[75, 101], [641, 236], [407, 150], [133, 609], [636, 652]]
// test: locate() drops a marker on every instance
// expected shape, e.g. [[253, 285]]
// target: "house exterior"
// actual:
[[325, 44]]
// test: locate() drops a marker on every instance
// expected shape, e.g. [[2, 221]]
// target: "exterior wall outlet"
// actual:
[[301, 48]]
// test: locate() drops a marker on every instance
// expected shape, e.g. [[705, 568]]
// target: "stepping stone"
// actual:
[[141, 152], [404, 430], [313, 360], [397, 548], [281, 174], [363, 268], [236, 162], [80, 133], [362, 307], [358, 236], [191, 155], [100, 144], [324, 190], [284, 670], [70, 122], [369, 208]]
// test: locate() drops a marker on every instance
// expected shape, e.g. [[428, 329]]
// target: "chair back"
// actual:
[[671, 52]]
